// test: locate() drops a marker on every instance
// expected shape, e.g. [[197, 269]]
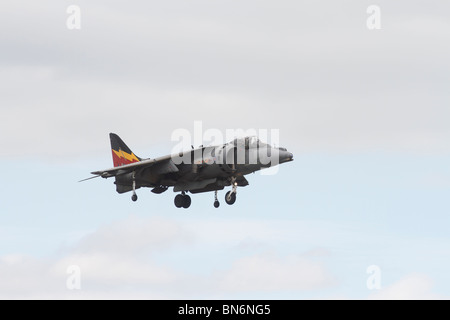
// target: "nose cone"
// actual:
[[285, 156]]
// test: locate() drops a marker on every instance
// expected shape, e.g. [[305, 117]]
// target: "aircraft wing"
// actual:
[[107, 173]]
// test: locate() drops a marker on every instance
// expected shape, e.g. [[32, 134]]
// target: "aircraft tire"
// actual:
[[233, 198], [186, 201], [179, 200]]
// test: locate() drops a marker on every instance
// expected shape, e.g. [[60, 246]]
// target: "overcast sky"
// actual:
[[365, 112]]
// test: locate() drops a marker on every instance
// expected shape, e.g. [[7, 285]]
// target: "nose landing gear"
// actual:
[[230, 197]]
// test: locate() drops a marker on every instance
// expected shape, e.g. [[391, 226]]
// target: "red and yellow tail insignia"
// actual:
[[121, 158]]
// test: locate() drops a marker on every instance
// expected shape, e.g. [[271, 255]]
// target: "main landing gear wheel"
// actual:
[[134, 197], [230, 197], [182, 201], [186, 201]]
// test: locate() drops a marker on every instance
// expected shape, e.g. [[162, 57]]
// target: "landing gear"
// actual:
[[216, 202], [182, 200], [134, 197], [230, 197], [178, 201], [186, 201]]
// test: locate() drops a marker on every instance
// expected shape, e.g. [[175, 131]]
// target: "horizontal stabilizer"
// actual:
[[89, 178]]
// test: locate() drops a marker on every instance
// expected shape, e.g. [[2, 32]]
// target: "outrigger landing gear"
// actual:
[[216, 202], [182, 200], [230, 197], [134, 197]]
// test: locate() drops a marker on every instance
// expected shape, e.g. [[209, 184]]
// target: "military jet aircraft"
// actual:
[[198, 170]]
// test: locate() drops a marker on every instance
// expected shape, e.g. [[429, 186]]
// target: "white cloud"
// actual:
[[316, 73], [152, 258], [269, 273], [116, 269], [134, 235], [113, 258], [414, 286]]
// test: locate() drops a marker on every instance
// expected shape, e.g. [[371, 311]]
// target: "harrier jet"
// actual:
[[198, 170]]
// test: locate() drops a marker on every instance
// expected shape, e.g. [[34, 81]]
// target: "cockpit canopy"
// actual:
[[249, 142]]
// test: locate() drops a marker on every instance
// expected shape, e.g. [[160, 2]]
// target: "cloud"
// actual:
[[113, 258], [268, 273], [21, 275], [117, 270], [121, 253], [153, 258], [315, 73], [134, 235], [414, 286]]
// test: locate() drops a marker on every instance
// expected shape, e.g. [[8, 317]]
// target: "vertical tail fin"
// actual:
[[120, 152]]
